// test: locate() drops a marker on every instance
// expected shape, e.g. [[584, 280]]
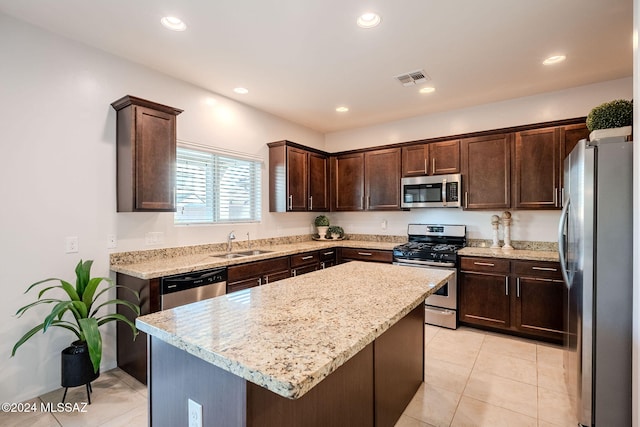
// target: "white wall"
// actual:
[[58, 173], [58, 178], [527, 225], [636, 220]]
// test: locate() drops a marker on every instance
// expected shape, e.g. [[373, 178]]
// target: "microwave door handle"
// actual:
[[444, 192]]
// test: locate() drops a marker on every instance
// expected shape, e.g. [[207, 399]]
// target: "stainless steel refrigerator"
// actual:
[[596, 250]]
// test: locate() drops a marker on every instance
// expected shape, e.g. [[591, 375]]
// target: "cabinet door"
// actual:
[[540, 305], [415, 160], [382, 179], [484, 299], [155, 151], [569, 137], [296, 179], [348, 185], [445, 157], [318, 182], [486, 165], [536, 177]]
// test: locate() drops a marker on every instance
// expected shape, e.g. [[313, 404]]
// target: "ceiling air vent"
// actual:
[[412, 78]]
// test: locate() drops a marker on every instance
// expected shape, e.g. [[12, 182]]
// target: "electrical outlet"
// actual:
[[71, 245], [195, 414], [383, 224], [112, 242], [154, 238]]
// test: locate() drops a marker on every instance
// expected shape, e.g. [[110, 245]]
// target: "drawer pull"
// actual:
[[487, 264], [544, 268], [518, 287], [365, 253], [304, 258], [328, 253], [506, 285]]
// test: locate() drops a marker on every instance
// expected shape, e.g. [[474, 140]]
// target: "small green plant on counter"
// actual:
[[614, 114], [81, 302], [321, 221], [336, 229]]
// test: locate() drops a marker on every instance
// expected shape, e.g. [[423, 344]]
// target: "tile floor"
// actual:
[[473, 378]]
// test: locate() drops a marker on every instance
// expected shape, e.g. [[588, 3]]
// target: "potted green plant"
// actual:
[[336, 232], [610, 119], [81, 302], [322, 225]]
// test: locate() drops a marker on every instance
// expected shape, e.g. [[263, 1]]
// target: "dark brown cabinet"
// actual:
[[146, 155], [245, 276], [328, 258], [435, 158], [304, 263], [536, 170], [298, 178], [569, 137], [526, 298], [373, 255], [486, 169], [382, 179], [348, 182]]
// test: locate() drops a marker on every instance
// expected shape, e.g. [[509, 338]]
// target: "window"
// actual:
[[216, 188]]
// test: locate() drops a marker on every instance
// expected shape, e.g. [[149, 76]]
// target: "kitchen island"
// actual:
[[343, 346]]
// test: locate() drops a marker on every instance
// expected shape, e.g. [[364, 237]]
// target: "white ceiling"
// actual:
[[300, 59]]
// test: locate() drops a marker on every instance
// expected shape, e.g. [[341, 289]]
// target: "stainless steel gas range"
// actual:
[[435, 246]]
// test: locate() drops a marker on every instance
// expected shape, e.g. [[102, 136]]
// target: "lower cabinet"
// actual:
[[304, 263], [527, 298], [245, 276], [352, 254], [328, 257]]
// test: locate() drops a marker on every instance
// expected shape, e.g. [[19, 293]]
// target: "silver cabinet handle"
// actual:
[[368, 206], [362, 203], [544, 268], [518, 287], [322, 266], [466, 200], [307, 257], [266, 280], [259, 281], [506, 285], [365, 253], [433, 166], [290, 201], [328, 253], [293, 272], [555, 197], [487, 264], [425, 166], [310, 203]]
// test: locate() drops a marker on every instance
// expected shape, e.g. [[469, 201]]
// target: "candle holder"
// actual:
[[506, 221], [495, 224]]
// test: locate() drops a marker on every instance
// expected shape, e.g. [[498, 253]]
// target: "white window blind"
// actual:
[[216, 188]]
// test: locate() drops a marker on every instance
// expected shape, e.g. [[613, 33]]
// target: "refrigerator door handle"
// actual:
[[561, 242]]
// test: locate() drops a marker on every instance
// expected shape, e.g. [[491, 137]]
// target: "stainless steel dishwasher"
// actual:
[[185, 288]]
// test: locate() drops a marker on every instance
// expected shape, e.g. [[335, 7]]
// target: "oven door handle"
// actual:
[[424, 264]]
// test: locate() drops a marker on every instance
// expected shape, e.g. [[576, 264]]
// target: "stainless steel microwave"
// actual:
[[437, 191]]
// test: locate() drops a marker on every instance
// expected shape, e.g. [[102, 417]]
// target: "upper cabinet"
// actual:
[[437, 158], [367, 181], [146, 155], [486, 169], [569, 137], [536, 169], [298, 178]]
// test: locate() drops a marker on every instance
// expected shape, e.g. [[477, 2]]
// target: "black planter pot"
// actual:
[[76, 368]]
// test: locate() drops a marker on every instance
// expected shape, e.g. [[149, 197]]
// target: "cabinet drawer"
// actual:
[[304, 259], [303, 270], [548, 270], [489, 265], [366, 255], [327, 255], [255, 269]]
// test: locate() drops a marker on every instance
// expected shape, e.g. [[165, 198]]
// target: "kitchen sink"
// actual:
[[230, 256], [254, 252]]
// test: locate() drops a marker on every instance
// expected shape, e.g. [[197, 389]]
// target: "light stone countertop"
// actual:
[[170, 265], [289, 335], [510, 253]]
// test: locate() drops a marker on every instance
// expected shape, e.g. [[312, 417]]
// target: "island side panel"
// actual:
[[176, 376], [399, 366], [344, 398]]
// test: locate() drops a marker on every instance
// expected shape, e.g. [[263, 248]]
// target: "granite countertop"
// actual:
[[176, 264], [510, 253], [289, 335]]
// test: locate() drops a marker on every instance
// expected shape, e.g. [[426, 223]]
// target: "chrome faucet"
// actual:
[[230, 238], [248, 241]]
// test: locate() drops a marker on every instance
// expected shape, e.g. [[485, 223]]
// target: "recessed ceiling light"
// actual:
[[241, 90], [427, 89], [173, 23], [342, 109], [368, 20], [554, 59]]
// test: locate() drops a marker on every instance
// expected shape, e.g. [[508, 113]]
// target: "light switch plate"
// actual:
[[71, 245]]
